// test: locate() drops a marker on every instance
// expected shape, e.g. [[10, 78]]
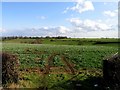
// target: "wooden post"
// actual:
[[111, 71]]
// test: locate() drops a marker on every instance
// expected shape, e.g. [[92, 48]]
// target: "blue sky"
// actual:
[[72, 19], [29, 14]]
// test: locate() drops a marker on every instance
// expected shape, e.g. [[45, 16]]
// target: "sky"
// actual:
[[83, 19]]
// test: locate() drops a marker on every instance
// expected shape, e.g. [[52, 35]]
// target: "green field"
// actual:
[[67, 41], [61, 63]]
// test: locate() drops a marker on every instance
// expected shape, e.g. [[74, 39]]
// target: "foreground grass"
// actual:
[[86, 78]]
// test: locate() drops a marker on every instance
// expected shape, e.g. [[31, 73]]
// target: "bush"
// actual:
[[10, 65]]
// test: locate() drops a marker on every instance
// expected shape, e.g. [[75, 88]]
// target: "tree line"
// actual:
[[27, 37]]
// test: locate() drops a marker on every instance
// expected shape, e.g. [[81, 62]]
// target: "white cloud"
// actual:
[[2, 30], [52, 30], [65, 11], [89, 25], [104, 3], [81, 6], [63, 29], [75, 21], [45, 28], [41, 17], [58, 29], [111, 13]]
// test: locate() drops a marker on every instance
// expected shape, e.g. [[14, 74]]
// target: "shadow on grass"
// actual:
[[90, 83]]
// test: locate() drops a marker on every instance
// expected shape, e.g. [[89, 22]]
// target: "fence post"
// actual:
[[111, 72]]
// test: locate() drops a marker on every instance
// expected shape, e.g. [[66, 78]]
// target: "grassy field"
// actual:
[[67, 41], [61, 63]]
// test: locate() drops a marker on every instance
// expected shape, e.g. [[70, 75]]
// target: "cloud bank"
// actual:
[[111, 13], [89, 25]]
